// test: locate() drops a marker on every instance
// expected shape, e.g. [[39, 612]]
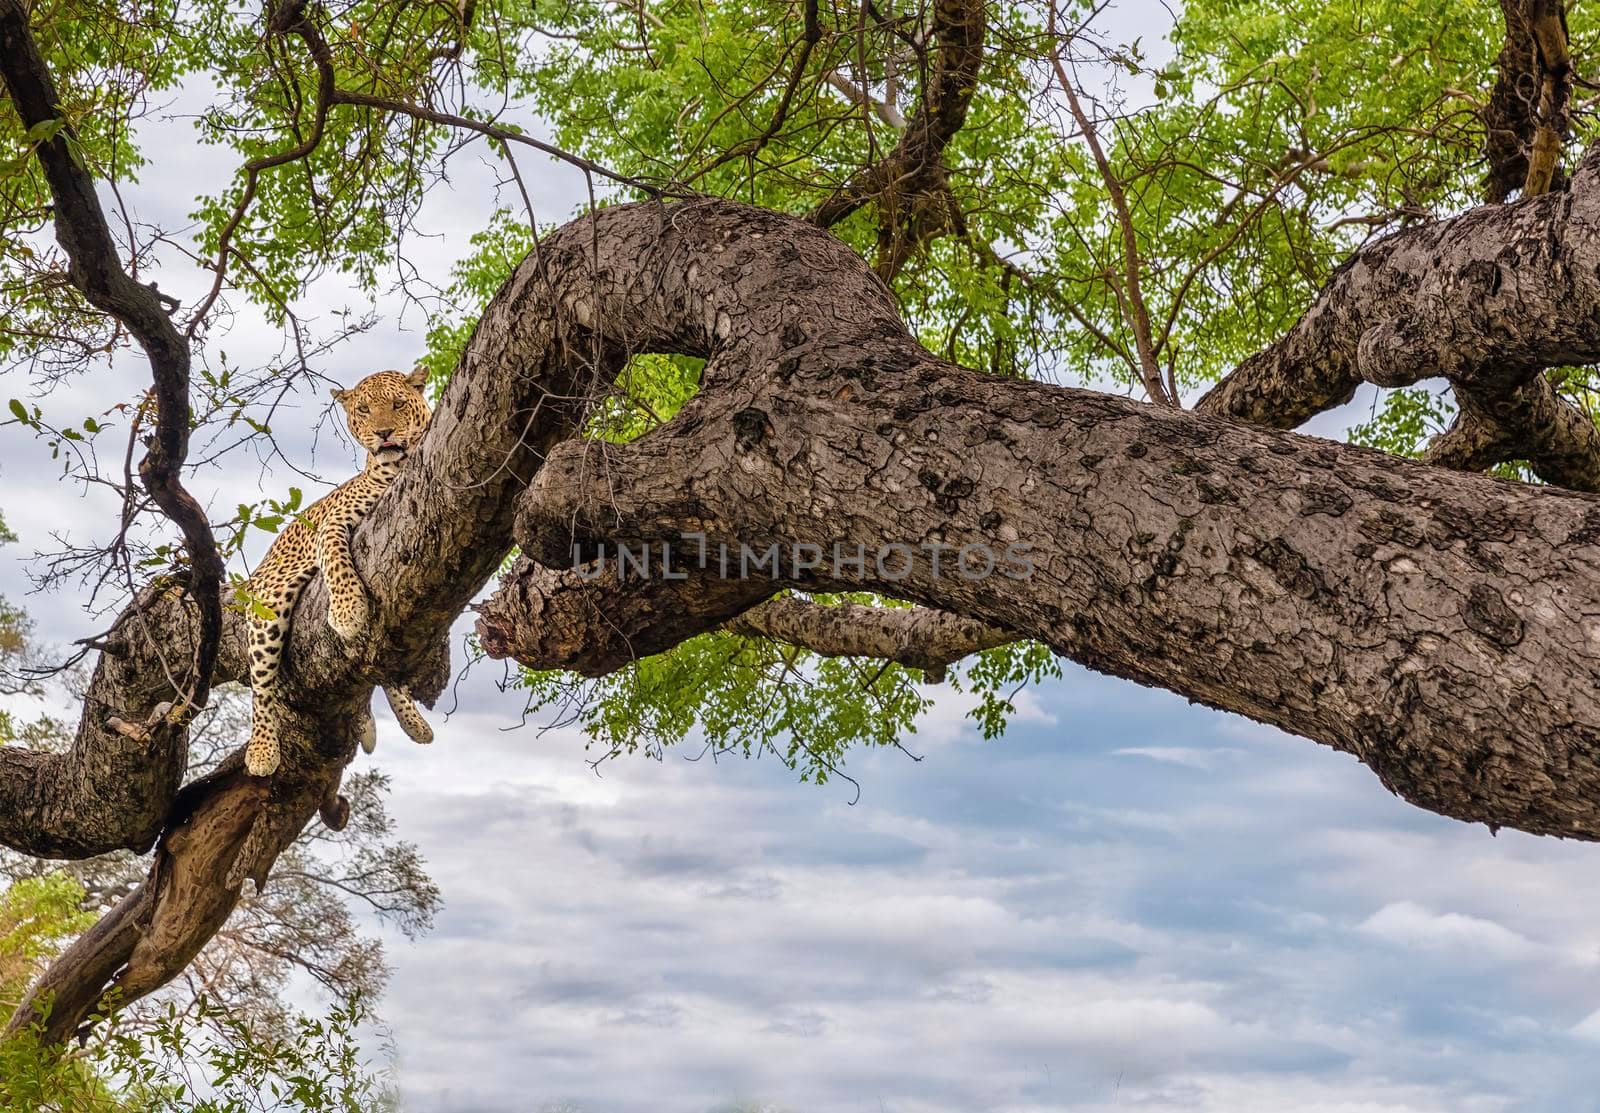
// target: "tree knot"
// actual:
[[750, 428], [1486, 612]]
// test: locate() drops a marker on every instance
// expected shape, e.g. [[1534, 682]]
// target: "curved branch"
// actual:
[[96, 270], [285, 19], [600, 619], [293, 17], [1442, 627], [1528, 422], [1437, 625], [809, 38], [112, 789], [1487, 300]]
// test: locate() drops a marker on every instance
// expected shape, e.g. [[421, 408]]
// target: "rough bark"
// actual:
[[113, 788], [1487, 300], [1531, 422], [596, 621], [1439, 626], [1511, 116], [917, 637]]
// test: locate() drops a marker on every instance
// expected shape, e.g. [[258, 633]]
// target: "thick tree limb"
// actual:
[[114, 787], [441, 530], [1525, 121], [96, 270], [1487, 300], [1510, 118], [593, 622], [1529, 422], [1440, 626], [596, 621]]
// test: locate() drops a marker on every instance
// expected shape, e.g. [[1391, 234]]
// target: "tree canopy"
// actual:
[[837, 267]]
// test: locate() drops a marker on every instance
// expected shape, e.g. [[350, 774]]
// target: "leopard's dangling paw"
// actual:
[[261, 757]]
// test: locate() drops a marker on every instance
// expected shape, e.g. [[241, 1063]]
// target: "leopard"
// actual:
[[386, 413]]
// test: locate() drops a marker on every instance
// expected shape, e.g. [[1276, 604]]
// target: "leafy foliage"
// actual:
[[201, 1060], [747, 696]]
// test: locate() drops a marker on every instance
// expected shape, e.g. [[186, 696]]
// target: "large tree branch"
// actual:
[[441, 530], [1442, 627], [114, 786], [1510, 117], [595, 621], [1525, 121], [1531, 422], [1487, 300], [1439, 626]]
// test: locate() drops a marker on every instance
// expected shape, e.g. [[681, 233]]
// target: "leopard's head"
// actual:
[[387, 413]]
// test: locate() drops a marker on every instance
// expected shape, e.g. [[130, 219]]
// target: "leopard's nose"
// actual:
[[384, 434]]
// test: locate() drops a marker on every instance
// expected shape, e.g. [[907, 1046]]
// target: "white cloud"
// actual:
[[1589, 1027], [1190, 757], [1408, 924]]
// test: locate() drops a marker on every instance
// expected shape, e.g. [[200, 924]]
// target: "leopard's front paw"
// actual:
[[261, 757], [348, 617]]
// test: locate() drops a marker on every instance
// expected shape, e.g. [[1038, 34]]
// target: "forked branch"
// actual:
[[96, 270]]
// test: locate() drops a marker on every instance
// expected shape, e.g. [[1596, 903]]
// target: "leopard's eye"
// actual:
[[362, 410]]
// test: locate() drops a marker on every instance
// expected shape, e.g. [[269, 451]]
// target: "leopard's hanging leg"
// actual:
[[265, 647], [405, 710]]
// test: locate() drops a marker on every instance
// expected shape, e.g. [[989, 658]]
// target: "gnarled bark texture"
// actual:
[[1487, 300], [1443, 627]]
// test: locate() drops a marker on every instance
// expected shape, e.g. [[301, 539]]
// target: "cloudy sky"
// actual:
[[1126, 903]]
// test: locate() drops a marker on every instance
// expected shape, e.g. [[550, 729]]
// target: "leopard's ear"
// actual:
[[418, 377], [337, 394]]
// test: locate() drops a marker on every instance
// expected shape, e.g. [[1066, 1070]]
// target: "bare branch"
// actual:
[[96, 270], [1129, 293]]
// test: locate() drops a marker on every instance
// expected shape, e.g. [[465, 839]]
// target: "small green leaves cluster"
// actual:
[[195, 1060], [743, 696], [1403, 421], [56, 438], [732, 694], [211, 1061]]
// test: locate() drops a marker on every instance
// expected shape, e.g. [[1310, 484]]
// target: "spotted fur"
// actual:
[[386, 413]]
